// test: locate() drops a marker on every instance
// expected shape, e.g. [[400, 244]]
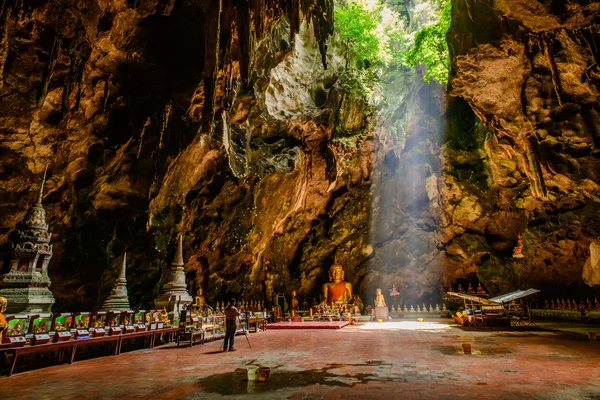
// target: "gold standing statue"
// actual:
[[379, 299], [3, 304]]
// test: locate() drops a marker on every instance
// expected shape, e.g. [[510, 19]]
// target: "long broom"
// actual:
[[245, 334]]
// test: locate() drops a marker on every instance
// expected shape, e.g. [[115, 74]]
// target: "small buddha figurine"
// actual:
[[165, 317], [199, 300], [552, 304], [424, 308], [518, 248], [569, 305], [217, 308], [480, 290], [405, 308], [444, 307], [589, 305], [430, 308], [418, 309], [379, 300], [3, 305], [337, 290], [294, 301], [437, 308], [305, 304], [460, 289], [412, 309], [546, 305], [394, 291], [470, 289]]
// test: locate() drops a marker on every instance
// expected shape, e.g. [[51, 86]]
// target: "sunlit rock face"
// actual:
[[161, 117], [523, 138]]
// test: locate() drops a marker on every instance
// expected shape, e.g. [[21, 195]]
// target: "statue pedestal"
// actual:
[[382, 313]]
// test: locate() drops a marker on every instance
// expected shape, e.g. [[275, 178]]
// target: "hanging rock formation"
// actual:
[[219, 119]]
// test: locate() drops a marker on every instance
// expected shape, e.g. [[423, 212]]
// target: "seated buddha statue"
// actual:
[[337, 290]]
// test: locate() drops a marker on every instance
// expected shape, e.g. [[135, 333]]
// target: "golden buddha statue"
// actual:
[[199, 300], [337, 290], [3, 304], [165, 317]]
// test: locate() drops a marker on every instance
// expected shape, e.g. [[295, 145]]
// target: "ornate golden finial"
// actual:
[[42, 187], [178, 260]]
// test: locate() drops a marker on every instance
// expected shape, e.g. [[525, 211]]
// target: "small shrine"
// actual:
[[118, 298], [26, 283], [174, 296]]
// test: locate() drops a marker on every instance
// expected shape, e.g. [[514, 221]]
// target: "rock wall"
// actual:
[[222, 122], [523, 140]]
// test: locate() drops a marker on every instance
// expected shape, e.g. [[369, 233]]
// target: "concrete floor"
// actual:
[[394, 360]]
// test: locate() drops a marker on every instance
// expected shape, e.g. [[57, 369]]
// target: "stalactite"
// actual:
[[106, 93], [165, 123], [228, 16], [70, 80], [537, 176], [321, 16], [142, 134], [293, 16], [257, 16], [243, 28], [5, 12], [211, 38], [553, 69], [80, 76], [48, 72]]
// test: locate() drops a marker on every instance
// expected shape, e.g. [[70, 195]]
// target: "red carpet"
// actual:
[[308, 325]]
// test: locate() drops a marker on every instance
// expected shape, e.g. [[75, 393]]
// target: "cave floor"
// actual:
[[398, 359]]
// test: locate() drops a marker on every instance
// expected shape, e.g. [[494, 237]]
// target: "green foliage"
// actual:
[[372, 39], [430, 47]]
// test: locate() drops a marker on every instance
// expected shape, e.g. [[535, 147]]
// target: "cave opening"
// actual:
[[396, 171]]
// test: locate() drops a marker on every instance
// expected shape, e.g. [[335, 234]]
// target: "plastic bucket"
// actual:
[[252, 372], [263, 374], [466, 348]]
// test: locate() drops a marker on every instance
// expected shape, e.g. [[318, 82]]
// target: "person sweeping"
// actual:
[[231, 314]]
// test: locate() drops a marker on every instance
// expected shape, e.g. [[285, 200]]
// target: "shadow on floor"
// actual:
[[236, 382]]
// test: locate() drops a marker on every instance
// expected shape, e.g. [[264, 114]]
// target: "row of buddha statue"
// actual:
[[561, 304], [418, 309], [479, 292], [200, 306]]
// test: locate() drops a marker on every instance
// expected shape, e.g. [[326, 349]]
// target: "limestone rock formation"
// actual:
[[591, 268], [220, 120]]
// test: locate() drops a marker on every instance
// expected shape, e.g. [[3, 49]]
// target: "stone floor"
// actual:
[[394, 360]]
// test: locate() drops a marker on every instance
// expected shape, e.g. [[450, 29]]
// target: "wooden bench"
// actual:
[[190, 336]]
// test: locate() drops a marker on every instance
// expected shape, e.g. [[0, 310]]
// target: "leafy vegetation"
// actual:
[[376, 39], [430, 47], [372, 38]]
